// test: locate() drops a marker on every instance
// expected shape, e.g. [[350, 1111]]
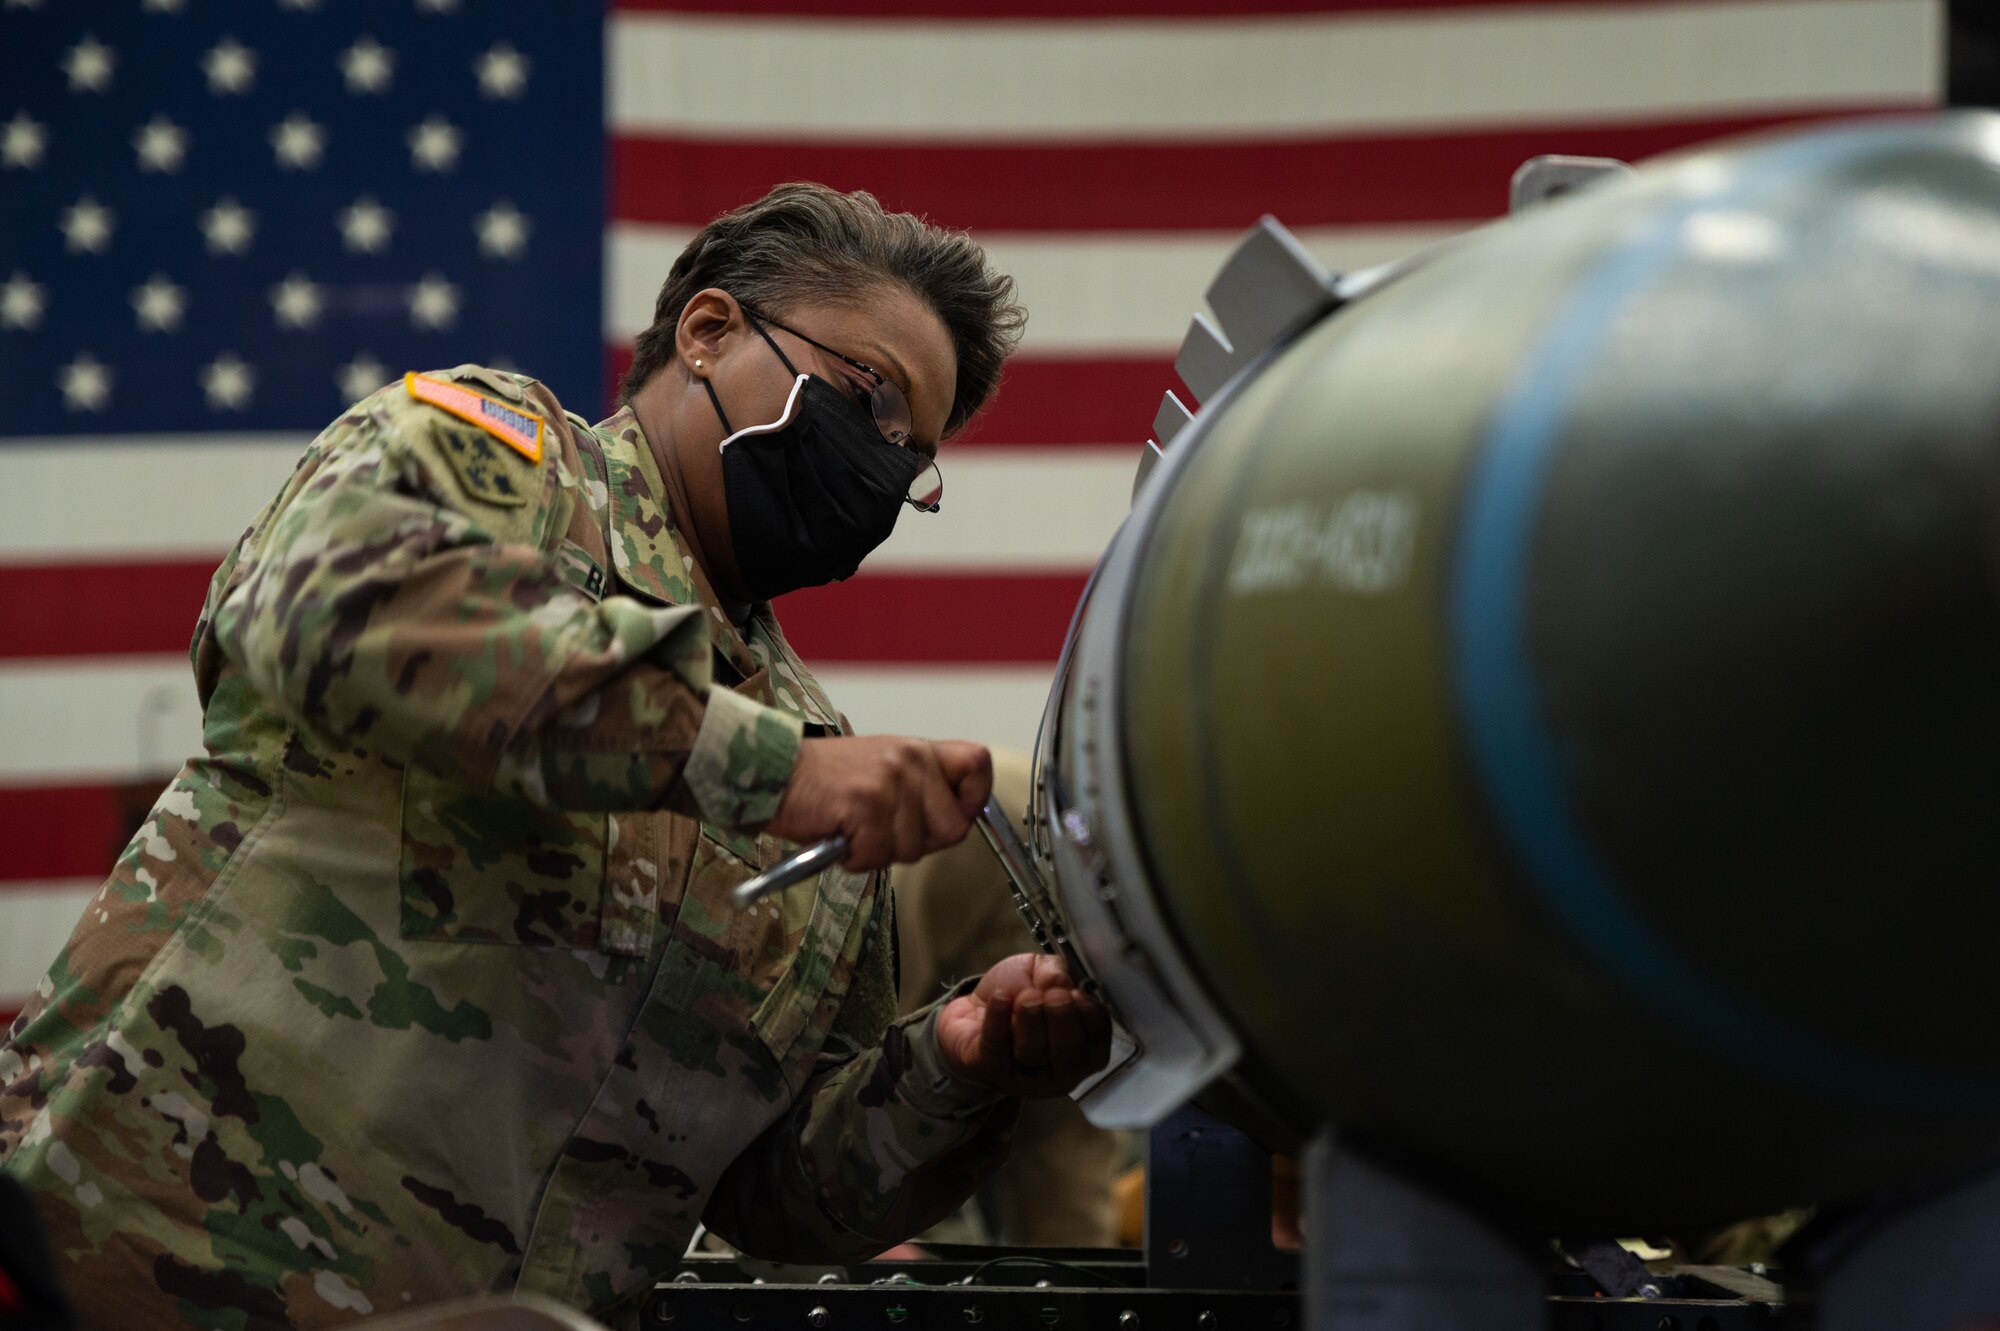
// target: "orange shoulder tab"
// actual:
[[519, 430]]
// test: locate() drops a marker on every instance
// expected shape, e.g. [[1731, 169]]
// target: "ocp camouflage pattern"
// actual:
[[422, 980]]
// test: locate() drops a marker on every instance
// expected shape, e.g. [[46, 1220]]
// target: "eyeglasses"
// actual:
[[891, 410]]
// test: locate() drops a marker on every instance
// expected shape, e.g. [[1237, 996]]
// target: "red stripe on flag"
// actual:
[[933, 618], [1054, 400], [55, 832], [101, 609], [1223, 185], [1030, 10], [965, 617]]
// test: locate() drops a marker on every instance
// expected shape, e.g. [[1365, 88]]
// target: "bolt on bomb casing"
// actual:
[[1555, 694]]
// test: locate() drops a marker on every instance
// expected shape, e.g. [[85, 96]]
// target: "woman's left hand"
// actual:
[[1026, 1030]]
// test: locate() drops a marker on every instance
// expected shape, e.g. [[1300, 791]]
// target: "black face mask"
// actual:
[[814, 491]]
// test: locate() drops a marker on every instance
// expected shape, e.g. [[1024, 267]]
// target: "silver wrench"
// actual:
[[992, 824]]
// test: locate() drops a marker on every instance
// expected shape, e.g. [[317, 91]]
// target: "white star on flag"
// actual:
[[228, 227], [159, 305], [87, 225], [433, 303], [434, 144], [361, 376], [503, 231], [162, 6], [89, 64], [22, 4], [296, 301], [302, 6], [365, 226], [227, 381], [437, 6], [85, 383], [366, 65], [231, 67], [502, 71], [161, 145], [21, 302], [22, 142], [298, 142]]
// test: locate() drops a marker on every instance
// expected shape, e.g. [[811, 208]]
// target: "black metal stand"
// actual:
[[1208, 1208], [883, 1297], [1208, 1265], [1383, 1254]]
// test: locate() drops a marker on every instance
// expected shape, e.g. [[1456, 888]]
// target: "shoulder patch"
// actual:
[[519, 430], [483, 466]]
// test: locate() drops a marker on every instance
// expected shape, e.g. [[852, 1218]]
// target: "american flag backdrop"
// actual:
[[221, 220]]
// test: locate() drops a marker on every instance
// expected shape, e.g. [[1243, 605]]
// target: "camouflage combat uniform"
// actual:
[[955, 917], [401, 992]]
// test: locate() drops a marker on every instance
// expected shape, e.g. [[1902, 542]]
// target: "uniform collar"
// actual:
[[653, 561]]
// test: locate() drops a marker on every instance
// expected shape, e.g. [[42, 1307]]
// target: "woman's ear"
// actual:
[[705, 325]]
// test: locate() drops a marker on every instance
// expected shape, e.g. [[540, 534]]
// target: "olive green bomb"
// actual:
[[1556, 705]]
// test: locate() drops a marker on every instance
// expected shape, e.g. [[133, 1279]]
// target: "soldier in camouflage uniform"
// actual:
[[422, 980]]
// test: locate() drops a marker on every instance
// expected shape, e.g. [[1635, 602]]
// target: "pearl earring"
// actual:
[[697, 364]]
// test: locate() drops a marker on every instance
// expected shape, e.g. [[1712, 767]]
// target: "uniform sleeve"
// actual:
[[386, 608], [882, 1144]]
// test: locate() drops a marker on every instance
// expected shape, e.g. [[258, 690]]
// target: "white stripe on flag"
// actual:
[[896, 80], [1005, 508], [991, 704], [106, 719], [171, 495], [82, 722], [39, 919], [1115, 293], [1011, 509]]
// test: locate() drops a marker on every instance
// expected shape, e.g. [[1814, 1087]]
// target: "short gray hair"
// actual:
[[804, 243]]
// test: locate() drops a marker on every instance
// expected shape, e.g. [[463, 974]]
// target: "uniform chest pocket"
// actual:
[[789, 951], [477, 867]]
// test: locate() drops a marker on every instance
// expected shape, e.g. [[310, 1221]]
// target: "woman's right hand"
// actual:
[[895, 798]]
